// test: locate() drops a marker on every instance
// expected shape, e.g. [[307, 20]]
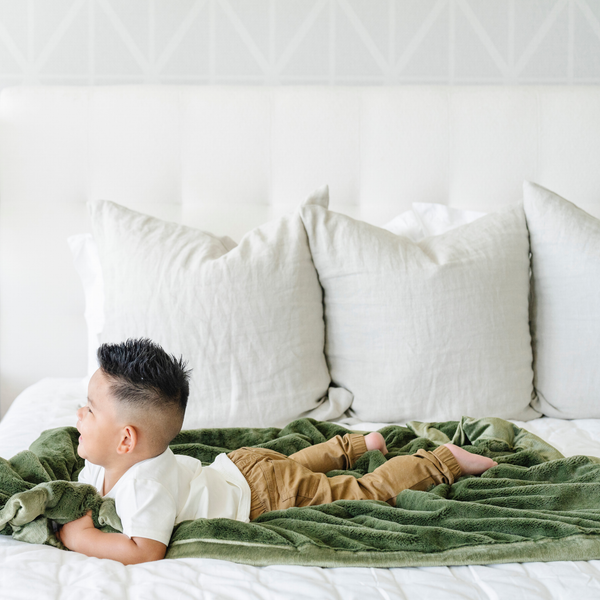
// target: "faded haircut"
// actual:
[[145, 378]]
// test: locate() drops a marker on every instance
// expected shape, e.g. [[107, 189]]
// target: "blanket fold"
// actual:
[[535, 505]]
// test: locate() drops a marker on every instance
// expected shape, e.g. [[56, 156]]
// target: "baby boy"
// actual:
[[136, 404]]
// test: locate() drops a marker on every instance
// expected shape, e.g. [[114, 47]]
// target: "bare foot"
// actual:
[[375, 441], [470, 464]]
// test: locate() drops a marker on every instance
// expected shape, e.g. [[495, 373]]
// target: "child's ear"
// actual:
[[129, 439]]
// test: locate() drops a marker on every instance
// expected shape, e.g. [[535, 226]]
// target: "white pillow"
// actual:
[[429, 218], [433, 330], [87, 264], [248, 319], [86, 259], [422, 220], [565, 248]]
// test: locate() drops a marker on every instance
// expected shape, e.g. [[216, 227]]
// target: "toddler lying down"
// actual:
[[136, 404]]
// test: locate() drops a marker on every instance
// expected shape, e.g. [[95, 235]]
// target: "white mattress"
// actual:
[[41, 572]]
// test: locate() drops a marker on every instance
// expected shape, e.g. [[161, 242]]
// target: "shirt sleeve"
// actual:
[[146, 509]]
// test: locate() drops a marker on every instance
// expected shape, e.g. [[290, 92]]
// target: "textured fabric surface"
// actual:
[[247, 318], [430, 330], [565, 249], [38, 486], [534, 506], [279, 482], [51, 403]]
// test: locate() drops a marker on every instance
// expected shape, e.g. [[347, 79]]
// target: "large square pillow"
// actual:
[[247, 318], [565, 262], [423, 220], [433, 330]]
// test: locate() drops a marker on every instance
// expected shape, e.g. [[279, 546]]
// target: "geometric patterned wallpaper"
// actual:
[[282, 42]]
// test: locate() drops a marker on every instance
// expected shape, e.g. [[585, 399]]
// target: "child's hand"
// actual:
[[81, 536], [69, 533]]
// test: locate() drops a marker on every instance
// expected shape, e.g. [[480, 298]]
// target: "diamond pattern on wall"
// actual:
[[117, 54], [299, 41], [64, 54], [184, 48], [357, 54], [307, 55], [547, 54], [428, 55], [244, 58], [477, 56], [414, 38], [586, 30]]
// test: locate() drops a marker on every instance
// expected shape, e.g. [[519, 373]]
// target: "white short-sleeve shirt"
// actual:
[[156, 494]]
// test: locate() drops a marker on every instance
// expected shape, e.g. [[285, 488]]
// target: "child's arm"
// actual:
[[81, 536]]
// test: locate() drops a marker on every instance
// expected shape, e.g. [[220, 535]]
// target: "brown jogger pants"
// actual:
[[278, 481]]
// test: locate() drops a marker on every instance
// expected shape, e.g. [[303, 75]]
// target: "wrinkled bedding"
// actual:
[[52, 573]]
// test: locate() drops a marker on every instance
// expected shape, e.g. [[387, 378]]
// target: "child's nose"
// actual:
[[80, 412]]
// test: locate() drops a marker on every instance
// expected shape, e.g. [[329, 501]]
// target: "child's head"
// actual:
[[136, 401]]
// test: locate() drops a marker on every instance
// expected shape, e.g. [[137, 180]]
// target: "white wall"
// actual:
[[299, 41]]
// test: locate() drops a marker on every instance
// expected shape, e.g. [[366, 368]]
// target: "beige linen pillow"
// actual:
[[565, 249], [433, 330], [247, 318]]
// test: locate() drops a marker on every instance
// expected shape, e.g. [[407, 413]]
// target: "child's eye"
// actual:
[[89, 409]]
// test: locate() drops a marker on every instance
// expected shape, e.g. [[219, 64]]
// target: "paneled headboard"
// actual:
[[226, 159]]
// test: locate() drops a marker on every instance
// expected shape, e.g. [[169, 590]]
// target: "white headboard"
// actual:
[[226, 159]]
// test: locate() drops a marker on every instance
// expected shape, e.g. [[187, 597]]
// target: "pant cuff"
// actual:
[[358, 445], [448, 459]]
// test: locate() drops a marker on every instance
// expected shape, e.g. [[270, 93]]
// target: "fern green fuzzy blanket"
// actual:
[[535, 505]]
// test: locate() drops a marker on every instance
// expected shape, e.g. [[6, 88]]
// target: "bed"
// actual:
[[419, 160]]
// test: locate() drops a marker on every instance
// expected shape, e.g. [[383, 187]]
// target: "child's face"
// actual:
[[98, 423]]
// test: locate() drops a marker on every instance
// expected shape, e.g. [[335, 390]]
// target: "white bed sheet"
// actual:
[[41, 572]]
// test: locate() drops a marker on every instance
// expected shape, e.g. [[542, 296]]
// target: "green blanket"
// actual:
[[535, 505]]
